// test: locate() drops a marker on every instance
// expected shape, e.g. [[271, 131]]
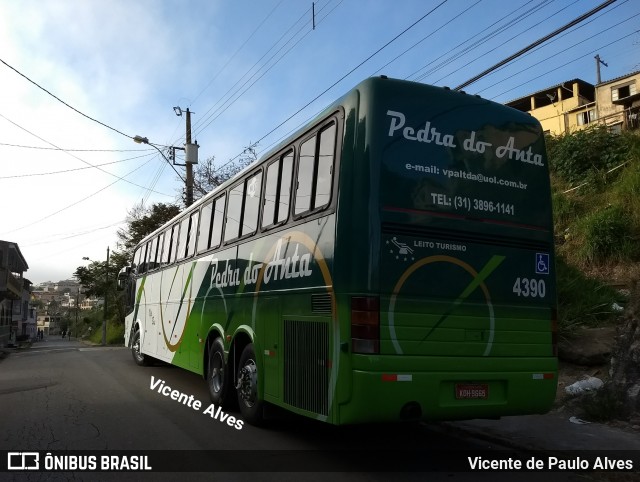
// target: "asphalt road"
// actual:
[[67, 396]]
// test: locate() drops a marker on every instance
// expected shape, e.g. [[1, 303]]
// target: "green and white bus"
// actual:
[[392, 260]]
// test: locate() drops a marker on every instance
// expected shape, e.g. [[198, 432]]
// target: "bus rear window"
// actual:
[[471, 162]]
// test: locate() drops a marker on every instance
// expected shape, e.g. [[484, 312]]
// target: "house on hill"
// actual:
[[576, 104]]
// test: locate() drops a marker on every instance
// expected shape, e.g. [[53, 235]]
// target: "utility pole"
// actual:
[[598, 80], [106, 292], [598, 62], [191, 156], [189, 165]]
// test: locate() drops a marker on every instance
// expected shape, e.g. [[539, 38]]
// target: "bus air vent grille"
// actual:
[[321, 304], [306, 365]]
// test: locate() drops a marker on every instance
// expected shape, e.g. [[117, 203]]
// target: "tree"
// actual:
[[99, 278], [143, 220], [206, 178]]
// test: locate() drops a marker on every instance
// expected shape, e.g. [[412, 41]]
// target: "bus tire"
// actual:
[[136, 350], [218, 379], [251, 407]]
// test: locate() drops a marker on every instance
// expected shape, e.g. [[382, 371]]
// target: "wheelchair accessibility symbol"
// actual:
[[542, 263]]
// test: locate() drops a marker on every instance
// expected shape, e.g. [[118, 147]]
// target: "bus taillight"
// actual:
[[365, 324]]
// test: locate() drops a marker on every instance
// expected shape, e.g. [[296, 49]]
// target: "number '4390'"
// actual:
[[530, 287]]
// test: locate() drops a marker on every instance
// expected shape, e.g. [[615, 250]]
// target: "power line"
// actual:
[[163, 156], [340, 79], [154, 181], [63, 236], [469, 48], [63, 102], [198, 128], [507, 41], [535, 44], [233, 56], [455, 17], [562, 51], [72, 150], [76, 202], [72, 170], [576, 59], [76, 157]]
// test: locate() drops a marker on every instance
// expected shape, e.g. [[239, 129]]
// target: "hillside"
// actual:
[[596, 202], [596, 199]]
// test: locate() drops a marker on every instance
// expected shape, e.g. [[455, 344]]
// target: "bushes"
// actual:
[[582, 300], [606, 235], [115, 334], [597, 226], [587, 154], [598, 223]]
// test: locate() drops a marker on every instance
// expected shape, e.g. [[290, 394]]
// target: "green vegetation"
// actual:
[[583, 301], [115, 334], [596, 203]]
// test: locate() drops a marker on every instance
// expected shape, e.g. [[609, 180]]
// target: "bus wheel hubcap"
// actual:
[[216, 373], [247, 383]]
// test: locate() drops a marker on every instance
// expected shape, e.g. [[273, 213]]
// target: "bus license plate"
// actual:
[[466, 391]]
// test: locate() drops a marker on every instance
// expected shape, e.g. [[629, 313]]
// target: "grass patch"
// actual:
[[115, 334], [606, 235], [565, 209], [597, 224], [582, 300]]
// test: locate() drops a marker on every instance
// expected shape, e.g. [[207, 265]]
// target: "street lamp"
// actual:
[[144, 140]]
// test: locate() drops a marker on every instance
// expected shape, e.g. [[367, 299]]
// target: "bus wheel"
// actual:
[[247, 387], [217, 376], [136, 350]]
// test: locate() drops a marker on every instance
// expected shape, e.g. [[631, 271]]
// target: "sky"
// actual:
[[249, 71]]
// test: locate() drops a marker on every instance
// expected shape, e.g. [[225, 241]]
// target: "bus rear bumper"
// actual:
[[389, 396]]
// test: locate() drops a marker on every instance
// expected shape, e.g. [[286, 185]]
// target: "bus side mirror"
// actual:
[[123, 276]]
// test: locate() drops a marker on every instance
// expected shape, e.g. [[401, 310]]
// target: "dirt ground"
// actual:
[[569, 373]]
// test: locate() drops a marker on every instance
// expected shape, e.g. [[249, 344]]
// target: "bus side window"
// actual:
[[234, 211], [150, 254], [326, 154], [152, 249], [193, 233], [270, 194], [184, 236], [277, 191], [174, 243], [251, 204], [218, 217], [143, 259], [159, 253], [206, 220], [315, 171], [284, 200], [306, 166], [136, 260], [166, 249]]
